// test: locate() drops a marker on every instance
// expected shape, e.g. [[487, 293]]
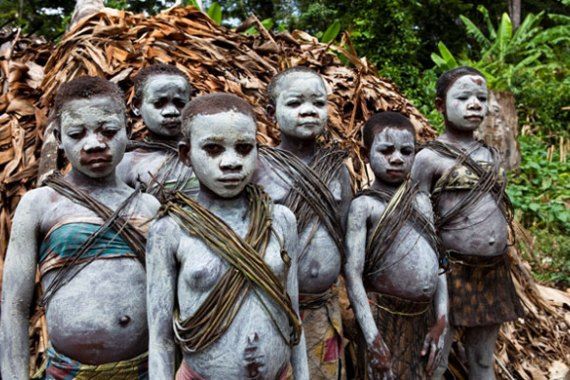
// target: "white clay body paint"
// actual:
[[223, 151], [301, 105], [466, 102], [164, 96], [392, 155], [93, 135]]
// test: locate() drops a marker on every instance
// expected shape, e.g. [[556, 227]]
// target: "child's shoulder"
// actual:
[[283, 214], [164, 226], [39, 197], [364, 202]]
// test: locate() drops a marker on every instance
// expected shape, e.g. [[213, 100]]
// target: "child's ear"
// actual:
[[440, 105], [184, 151], [270, 109], [57, 134], [135, 107]]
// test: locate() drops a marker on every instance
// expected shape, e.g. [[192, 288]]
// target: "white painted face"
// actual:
[[301, 106], [392, 155], [93, 135], [466, 102], [223, 151], [164, 97]]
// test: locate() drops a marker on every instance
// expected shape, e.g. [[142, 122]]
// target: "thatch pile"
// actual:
[[116, 45]]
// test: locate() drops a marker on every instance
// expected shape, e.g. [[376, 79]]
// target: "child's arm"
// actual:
[[291, 240], [18, 288], [346, 195], [423, 173], [355, 257], [163, 240], [435, 339]]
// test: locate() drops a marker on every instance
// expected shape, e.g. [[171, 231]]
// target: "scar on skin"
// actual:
[[253, 364], [478, 81]]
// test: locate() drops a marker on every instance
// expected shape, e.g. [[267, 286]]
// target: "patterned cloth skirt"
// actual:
[[61, 367], [481, 291], [403, 325], [322, 324]]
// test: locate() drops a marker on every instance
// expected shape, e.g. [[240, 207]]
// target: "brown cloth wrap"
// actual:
[[403, 325], [322, 324], [481, 291]]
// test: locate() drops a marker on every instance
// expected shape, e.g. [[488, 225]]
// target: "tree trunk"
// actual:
[[515, 12], [500, 128]]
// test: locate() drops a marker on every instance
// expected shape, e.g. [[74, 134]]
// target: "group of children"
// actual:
[[198, 254]]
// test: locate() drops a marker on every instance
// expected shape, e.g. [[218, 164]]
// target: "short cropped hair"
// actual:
[[274, 83], [86, 87], [157, 69], [211, 104], [449, 77], [382, 120]]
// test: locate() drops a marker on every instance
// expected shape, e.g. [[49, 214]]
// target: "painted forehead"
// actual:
[[468, 81], [222, 124], [300, 79], [104, 105], [394, 135], [163, 82]]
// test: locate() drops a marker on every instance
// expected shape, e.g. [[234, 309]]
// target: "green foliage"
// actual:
[[505, 55], [551, 260], [540, 190], [215, 13], [331, 33], [117, 4]]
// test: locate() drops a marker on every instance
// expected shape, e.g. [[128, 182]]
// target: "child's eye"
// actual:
[[179, 103], [244, 148], [109, 132], [387, 150], [213, 149], [407, 151], [76, 135], [320, 103], [294, 103], [160, 103], [483, 98], [462, 98]]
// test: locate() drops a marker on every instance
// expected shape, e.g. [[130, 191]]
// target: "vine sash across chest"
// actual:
[[248, 272], [308, 196]]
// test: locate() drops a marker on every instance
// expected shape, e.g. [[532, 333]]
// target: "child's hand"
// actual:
[[433, 345], [380, 360]]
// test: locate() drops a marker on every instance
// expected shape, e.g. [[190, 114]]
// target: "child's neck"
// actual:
[[382, 185], [457, 136], [221, 206], [304, 149], [156, 137], [79, 179]]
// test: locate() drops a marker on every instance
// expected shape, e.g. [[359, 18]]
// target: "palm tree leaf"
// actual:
[[475, 32], [504, 35], [490, 27], [446, 55]]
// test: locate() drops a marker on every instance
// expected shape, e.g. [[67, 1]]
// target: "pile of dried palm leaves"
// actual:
[[115, 45]]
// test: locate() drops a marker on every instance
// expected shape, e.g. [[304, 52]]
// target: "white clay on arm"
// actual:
[[161, 268], [422, 175], [124, 168], [346, 195], [355, 246], [290, 237], [18, 288]]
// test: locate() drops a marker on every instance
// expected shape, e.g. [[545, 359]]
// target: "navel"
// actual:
[[124, 320]]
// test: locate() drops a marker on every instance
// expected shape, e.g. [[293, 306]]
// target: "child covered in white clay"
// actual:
[[392, 254], [223, 268]]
